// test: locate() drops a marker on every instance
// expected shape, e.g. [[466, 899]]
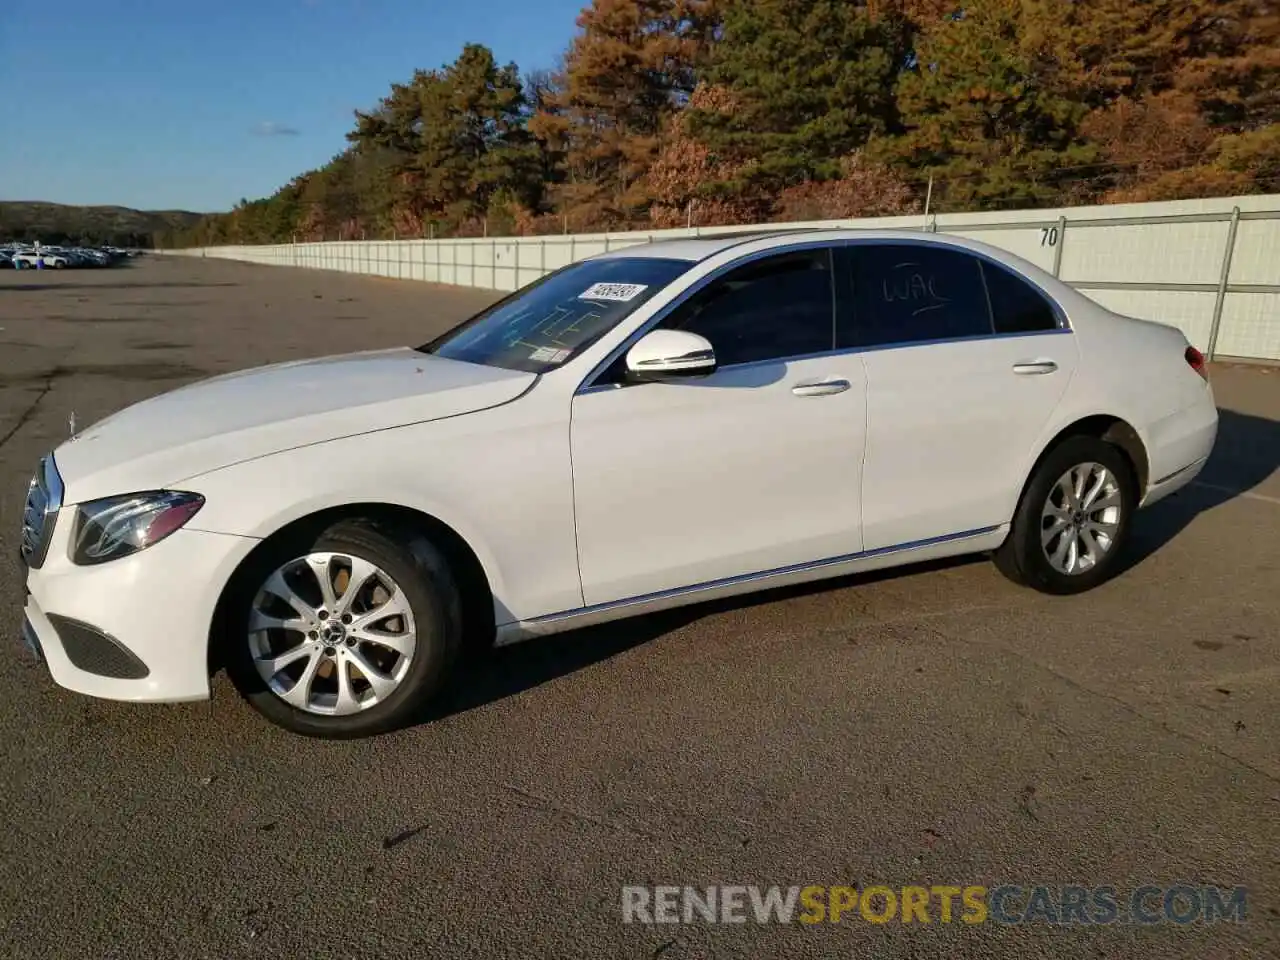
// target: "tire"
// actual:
[[424, 587], [1046, 523]]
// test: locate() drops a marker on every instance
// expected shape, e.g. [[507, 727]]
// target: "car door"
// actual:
[[966, 362], [753, 468]]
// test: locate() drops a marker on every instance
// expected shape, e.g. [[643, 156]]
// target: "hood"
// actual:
[[241, 416]]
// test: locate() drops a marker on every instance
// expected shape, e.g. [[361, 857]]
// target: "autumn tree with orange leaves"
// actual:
[[627, 74]]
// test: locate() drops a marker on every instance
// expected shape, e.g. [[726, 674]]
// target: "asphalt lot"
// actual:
[[931, 726]]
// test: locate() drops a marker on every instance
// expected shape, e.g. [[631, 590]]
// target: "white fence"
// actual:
[[1208, 267]]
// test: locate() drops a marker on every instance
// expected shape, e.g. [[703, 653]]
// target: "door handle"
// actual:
[[1032, 367], [820, 388]]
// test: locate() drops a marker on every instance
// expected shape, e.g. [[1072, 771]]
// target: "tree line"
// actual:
[[710, 112]]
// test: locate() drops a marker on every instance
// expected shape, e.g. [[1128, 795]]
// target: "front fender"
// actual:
[[501, 482]]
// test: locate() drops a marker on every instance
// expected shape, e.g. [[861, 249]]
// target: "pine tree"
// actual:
[[458, 136], [982, 112], [1233, 67], [1166, 82], [813, 80]]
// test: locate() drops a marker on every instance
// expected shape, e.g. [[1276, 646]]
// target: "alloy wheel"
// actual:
[[331, 634], [1081, 518]]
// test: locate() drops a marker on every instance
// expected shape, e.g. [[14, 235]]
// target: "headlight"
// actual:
[[118, 526]]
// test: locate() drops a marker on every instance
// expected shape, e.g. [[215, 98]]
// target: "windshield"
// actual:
[[547, 323]]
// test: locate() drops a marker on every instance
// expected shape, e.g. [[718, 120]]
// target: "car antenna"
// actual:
[[71, 424]]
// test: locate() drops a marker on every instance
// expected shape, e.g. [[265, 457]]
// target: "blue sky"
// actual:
[[193, 104]]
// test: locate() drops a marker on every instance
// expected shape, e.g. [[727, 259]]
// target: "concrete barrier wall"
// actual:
[[1209, 267]]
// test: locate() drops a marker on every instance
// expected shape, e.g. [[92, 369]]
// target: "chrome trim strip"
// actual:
[[762, 575], [1179, 472], [695, 355], [588, 385]]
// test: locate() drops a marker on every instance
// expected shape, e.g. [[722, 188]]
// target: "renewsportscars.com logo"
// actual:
[[973, 904]]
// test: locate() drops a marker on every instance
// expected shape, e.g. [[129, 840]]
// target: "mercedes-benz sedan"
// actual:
[[657, 426]]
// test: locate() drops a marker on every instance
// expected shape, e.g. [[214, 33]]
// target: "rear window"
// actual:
[[549, 322]]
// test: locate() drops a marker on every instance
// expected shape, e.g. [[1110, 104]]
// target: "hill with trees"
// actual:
[[116, 226], [669, 112]]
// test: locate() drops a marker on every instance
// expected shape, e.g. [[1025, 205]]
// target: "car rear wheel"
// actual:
[[1073, 521], [344, 635]]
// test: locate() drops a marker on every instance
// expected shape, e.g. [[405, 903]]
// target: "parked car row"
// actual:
[[29, 257]]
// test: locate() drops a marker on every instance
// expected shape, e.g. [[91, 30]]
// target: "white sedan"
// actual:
[[28, 260], [658, 426]]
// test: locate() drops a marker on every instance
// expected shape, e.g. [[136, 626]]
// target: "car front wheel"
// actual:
[[1073, 521], [347, 634]]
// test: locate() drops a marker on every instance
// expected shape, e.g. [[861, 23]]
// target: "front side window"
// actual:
[[909, 293], [770, 309], [547, 323]]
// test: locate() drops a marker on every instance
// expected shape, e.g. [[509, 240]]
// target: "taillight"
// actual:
[[1195, 359]]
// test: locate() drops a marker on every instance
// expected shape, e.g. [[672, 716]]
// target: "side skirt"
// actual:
[[937, 548]]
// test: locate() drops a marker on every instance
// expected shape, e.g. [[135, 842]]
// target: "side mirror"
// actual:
[[668, 354]]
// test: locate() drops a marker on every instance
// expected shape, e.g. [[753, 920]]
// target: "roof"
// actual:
[[695, 249]]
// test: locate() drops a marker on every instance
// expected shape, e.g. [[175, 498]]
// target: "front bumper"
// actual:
[[136, 628]]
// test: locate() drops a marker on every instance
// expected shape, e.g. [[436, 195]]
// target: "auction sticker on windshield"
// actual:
[[621, 292], [550, 355]]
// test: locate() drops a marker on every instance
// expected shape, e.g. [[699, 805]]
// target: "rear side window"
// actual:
[[1016, 306], [771, 309], [908, 293]]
